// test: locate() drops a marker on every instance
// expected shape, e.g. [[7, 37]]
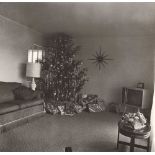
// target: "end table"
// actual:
[[134, 134]]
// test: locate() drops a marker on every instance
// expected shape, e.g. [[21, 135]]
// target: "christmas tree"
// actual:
[[63, 75]]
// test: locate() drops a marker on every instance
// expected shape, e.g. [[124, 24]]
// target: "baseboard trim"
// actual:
[[13, 124]]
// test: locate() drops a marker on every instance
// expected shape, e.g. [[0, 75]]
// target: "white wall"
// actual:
[[15, 40], [133, 59], [132, 63]]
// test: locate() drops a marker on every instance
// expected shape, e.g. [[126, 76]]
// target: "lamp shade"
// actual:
[[33, 70]]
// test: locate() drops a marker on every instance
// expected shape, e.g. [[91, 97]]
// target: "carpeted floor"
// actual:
[[86, 132]]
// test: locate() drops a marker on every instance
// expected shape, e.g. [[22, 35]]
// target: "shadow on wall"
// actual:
[[22, 70]]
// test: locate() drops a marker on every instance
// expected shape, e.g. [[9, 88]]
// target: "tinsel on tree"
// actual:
[[63, 75]]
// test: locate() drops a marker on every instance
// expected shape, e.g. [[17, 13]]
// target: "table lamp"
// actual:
[[33, 70]]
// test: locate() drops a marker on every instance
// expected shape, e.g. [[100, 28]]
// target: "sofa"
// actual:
[[14, 108]]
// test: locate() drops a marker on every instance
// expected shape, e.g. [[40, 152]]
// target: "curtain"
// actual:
[[153, 124]]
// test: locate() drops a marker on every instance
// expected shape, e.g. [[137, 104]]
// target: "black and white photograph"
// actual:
[[77, 76]]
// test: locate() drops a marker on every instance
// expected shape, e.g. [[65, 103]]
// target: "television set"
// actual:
[[136, 97]]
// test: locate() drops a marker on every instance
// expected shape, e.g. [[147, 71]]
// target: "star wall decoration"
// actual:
[[100, 58]]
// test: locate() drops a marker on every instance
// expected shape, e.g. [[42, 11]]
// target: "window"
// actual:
[[35, 54]]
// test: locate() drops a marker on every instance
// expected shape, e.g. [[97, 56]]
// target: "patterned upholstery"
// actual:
[[9, 105]]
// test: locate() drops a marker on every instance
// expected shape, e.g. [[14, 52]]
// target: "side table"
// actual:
[[134, 134]]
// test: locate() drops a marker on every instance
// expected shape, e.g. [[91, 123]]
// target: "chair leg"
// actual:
[[132, 143], [148, 144], [118, 140]]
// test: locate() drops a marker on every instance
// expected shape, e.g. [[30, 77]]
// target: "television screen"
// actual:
[[132, 97]]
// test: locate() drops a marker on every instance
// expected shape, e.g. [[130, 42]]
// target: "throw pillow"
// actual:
[[24, 93], [6, 94]]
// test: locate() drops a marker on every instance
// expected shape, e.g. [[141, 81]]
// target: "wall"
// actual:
[[132, 63], [15, 40]]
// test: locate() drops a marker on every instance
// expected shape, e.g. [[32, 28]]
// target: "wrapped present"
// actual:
[[97, 104], [51, 109], [101, 104], [78, 108], [61, 109], [95, 108], [55, 111], [89, 99], [69, 109]]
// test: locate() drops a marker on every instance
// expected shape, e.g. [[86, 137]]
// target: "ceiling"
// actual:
[[84, 19]]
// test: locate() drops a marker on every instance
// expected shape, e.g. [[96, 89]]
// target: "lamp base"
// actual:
[[33, 84]]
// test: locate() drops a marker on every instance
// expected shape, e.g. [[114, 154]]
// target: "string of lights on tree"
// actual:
[[63, 75]]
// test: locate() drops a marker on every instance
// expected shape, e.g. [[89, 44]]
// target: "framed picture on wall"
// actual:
[[140, 85]]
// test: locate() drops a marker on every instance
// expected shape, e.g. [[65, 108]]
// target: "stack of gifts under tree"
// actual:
[[92, 103], [89, 103]]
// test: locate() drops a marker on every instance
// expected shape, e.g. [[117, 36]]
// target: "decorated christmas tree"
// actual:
[[63, 75]]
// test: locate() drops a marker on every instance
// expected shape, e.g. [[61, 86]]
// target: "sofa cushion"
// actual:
[[7, 107], [6, 93], [29, 103], [24, 93], [19, 114]]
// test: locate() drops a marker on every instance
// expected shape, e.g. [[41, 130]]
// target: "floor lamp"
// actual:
[[33, 71]]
